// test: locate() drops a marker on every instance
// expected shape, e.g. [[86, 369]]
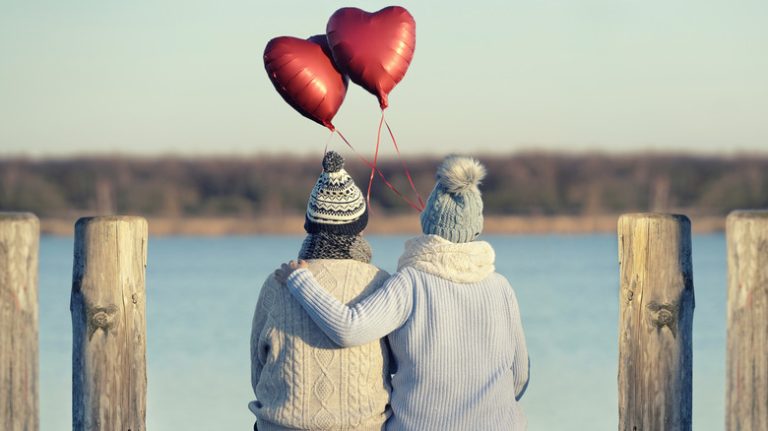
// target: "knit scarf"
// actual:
[[326, 245], [467, 262]]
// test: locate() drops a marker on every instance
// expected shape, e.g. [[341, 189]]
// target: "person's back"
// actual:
[[301, 379], [461, 356], [305, 381]]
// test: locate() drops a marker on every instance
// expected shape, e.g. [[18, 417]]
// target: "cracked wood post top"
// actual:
[[747, 317], [109, 323], [656, 305], [19, 245]]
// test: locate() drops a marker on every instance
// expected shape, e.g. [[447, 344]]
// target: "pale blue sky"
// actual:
[[187, 77]]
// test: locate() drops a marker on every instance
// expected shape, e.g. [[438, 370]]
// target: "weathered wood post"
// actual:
[[655, 322], [747, 355], [19, 243], [109, 374]]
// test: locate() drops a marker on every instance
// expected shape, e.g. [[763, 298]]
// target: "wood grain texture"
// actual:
[[19, 243], [655, 322], [109, 375], [747, 355]]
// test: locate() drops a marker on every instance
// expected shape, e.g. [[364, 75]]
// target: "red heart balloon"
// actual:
[[303, 72], [374, 49]]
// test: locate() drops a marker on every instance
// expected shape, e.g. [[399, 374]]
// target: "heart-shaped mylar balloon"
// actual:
[[303, 72], [374, 49]]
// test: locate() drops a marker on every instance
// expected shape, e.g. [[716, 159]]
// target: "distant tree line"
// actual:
[[521, 184]]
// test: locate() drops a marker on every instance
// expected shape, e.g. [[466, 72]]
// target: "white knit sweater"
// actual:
[[301, 379]]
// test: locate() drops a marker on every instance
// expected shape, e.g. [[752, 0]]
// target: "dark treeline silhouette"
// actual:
[[521, 184]]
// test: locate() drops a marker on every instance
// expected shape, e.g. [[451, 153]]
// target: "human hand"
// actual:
[[286, 269]]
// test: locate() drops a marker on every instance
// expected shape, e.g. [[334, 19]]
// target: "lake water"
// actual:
[[201, 293]]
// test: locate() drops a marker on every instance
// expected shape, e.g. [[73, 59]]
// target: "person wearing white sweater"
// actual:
[[301, 379], [452, 322]]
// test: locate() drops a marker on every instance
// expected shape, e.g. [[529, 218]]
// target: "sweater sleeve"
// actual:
[[383, 311], [521, 365], [257, 326]]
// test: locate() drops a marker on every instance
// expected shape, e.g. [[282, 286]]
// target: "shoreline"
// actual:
[[406, 224]]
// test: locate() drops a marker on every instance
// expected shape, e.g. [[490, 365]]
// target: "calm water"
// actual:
[[201, 293]]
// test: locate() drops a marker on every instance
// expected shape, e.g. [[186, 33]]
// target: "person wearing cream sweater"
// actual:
[[301, 379]]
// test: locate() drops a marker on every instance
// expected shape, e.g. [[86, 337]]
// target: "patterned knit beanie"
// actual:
[[336, 205], [454, 209]]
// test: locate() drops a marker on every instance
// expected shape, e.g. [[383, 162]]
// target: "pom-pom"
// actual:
[[459, 174], [333, 162]]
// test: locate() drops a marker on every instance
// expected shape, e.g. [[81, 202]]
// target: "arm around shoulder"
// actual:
[[372, 318]]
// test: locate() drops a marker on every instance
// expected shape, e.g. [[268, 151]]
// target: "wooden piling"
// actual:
[[747, 353], [655, 322], [19, 243], [109, 377]]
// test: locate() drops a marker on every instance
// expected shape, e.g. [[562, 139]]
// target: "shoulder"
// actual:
[[269, 289], [367, 272], [370, 268], [500, 279], [356, 275], [270, 282], [344, 265], [408, 272], [503, 283], [407, 276]]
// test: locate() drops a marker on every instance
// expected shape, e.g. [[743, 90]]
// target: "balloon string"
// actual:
[[327, 141], [405, 167], [370, 165], [325, 151], [375, 160]]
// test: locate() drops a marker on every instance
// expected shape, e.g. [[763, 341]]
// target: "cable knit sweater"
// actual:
[[302, 380], [454, 329]]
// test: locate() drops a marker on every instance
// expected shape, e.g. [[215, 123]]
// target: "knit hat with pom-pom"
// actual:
[[454, 209], [335, 205]]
